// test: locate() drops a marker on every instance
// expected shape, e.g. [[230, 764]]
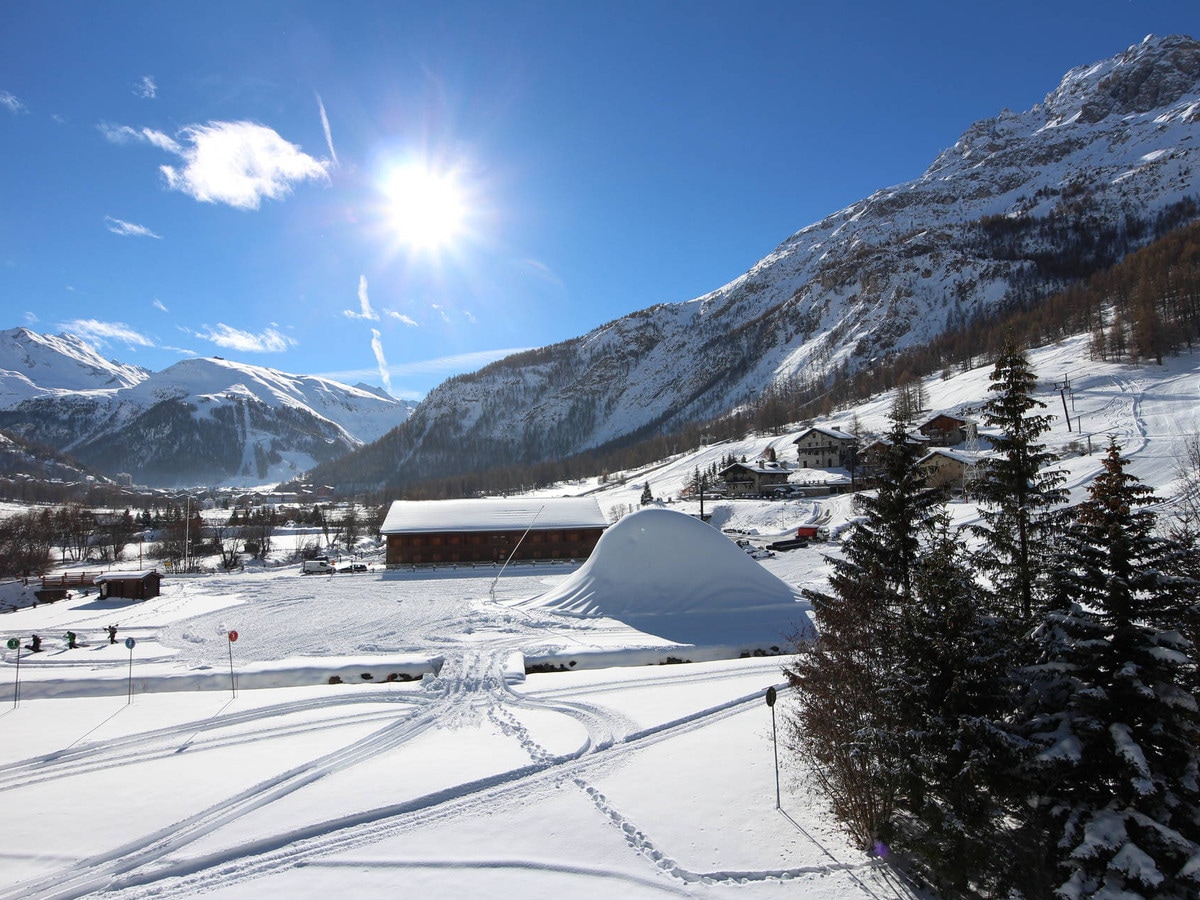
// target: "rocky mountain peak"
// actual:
[[1154, 74]]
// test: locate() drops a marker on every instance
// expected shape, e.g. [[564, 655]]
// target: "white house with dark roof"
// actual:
[[491, 529], [823, 448]]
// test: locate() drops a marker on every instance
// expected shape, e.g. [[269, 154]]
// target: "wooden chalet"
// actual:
[[491, 530], [757, 479], [129, 585], [944, 430]]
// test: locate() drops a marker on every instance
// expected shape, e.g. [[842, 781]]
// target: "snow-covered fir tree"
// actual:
[[848, 723], [952, 666], [1016, 491], [1112, 717]]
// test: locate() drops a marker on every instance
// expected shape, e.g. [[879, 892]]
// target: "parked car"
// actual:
[[354, 567]]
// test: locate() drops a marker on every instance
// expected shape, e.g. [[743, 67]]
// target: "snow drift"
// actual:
[[667, 573]]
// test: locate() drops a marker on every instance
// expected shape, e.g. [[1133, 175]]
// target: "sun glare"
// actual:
[[427, 209]]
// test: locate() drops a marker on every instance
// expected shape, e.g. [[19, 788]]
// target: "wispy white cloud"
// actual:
[[441, 311], [328, 131], [401, 317], [239, 163], [364, 302], [103, 333], [129, 229], [11, 102], [469, 316], [544, 272], [442, 365], [146, 88], [380, 359], [123, 134], [159, 305], [269, 340]]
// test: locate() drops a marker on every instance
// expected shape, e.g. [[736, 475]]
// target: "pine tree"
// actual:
[[1016, 493], [847, 724], [1112, 713], [952, 663]]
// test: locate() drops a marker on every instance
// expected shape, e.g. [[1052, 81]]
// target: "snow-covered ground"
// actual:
[[142, 772]]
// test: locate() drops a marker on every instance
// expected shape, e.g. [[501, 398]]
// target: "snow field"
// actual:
[[636, 780]]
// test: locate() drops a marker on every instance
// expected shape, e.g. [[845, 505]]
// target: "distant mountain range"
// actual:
[[200, 421], [1022, 205]]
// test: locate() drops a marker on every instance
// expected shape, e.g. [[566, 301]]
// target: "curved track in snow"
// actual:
[[471, 685]]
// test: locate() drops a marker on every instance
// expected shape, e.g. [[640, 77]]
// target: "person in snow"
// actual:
[[35, 644], [112, 634], [70, 640]]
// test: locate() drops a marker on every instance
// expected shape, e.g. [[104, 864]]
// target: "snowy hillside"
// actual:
[[36, 365], [362, 414], [198, 421], [1020, 205]]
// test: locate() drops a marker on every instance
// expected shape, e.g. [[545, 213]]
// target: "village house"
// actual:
[[944, 430], [757, 479], [824, 448], [953, 470], [491, 530], [871, 456]]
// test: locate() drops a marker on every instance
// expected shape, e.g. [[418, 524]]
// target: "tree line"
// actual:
[[31, 541], [1026, 691]]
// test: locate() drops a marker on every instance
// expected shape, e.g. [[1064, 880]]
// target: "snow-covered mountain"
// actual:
[[198, 421], [1022, 204], [40, 365]]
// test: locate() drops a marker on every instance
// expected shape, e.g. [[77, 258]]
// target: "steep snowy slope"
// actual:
[[37, 365], [1019, 206], [207, 421]]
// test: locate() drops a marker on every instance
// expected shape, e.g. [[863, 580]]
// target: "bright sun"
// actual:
[[427, 209]]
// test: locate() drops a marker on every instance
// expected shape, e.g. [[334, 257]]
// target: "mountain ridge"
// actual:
[[1022, 204], [208, 419]]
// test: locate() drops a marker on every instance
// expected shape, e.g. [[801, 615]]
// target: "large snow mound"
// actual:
[[670, 574]]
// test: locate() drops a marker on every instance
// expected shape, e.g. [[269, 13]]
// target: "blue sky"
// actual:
[[242, 179]]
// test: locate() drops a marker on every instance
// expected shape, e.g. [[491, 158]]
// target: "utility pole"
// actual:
[[1062, 387], [187, 536]]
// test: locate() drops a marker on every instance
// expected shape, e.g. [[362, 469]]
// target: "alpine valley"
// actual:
[[1022, 206], [200, 421]]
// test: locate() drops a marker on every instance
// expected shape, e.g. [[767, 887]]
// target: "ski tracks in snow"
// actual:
[[470, 688]]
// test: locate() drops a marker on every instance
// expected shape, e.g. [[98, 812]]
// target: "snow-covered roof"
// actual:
[[760, 466], [912, 437], [126, 576], [966, 457], [828, 432], [943, 415], [493, 514]]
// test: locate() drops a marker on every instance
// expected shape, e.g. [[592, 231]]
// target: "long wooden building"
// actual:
[[431, 532]]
